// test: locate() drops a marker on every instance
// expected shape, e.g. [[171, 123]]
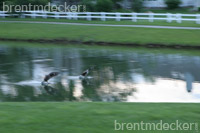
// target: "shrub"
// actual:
[[90, 6], [116, 4], [137, 5], [104, 5], [33, 2], [1, 4], [23, 2], [9, 2], [172, 4]]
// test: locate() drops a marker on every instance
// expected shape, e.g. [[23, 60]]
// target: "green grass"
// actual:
[[84, 117], [95, 33], [186, 10], [178, 10], [123, 22], [94, 47]]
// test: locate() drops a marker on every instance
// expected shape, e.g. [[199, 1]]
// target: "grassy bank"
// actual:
[[123, 22], [89, 117], [141, 50], [95, 33], [178, 10]]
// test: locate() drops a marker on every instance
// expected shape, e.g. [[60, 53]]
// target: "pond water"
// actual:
[[118, 75]]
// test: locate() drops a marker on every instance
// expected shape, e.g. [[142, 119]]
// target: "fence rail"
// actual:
[[103, 16]]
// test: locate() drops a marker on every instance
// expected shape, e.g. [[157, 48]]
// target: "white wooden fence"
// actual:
[[107, 15]]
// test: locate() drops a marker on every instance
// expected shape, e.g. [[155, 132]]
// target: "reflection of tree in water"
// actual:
[[90, 90], [71, 90], [110, 80], [47, 93], [117, 67], [24, 93], [106, 71], [102, 88], [50, 90], [14, 62], [59, 92], [116, 91]]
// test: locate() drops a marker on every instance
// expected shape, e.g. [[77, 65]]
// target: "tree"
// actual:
[[90, 6], [104, 5], [172, 4], [116, 4], [1, 4], [137, 5], [39, 3], [9, 2]]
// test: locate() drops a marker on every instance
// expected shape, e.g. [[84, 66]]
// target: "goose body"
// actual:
[[85, 73], [47, 77]]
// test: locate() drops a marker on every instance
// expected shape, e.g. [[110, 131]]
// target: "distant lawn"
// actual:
[[86, 117], [140, 50], [110, 21], [183, 10], [95, 33]]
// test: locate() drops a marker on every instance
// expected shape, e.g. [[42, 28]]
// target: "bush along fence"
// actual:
[[103, 16]]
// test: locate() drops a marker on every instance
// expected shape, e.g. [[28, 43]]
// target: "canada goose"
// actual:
[[47, 77], [85, 73]]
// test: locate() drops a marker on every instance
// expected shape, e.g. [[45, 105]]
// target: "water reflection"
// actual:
[[119, 76], [189, 79]]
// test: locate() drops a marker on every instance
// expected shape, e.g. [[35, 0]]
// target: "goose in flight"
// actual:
[[47, 77], [85, 73]]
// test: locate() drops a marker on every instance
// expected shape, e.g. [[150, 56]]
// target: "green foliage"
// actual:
[[116, 4], [1, 4], [115, 1], [137, 5], [33, 2], [101, 5], [23, 2], [172, 4], [104, 5], [90, 6], [10, 2]]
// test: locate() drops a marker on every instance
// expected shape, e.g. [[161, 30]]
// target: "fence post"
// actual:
[[118, 15], [178, 18], [169, 17], [103, 16], [44, 15], [75, 16], [134, 17], [88, 16], [198, 19], [22, 15], [151, 16], [2, 14], [69, 15], [57, 15], [33, 15]]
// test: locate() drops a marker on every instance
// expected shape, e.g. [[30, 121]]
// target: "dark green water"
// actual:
[[119, 75]]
